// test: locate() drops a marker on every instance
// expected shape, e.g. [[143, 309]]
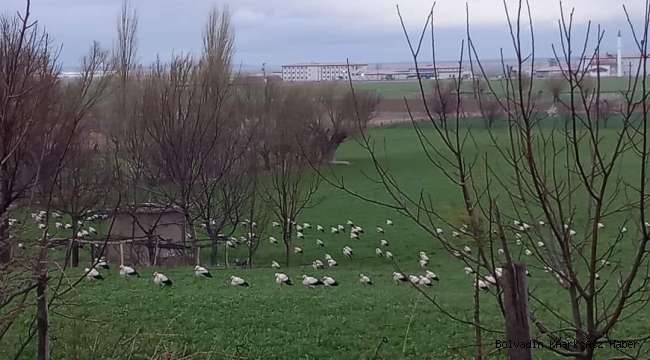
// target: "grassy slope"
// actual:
[[347, 322]]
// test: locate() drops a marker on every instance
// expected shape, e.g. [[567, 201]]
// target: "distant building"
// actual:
[[440, 72], [322, 71]]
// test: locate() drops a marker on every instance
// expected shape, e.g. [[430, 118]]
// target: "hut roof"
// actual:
[[148, 208]]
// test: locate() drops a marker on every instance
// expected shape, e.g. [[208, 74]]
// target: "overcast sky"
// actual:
[[286, 31]]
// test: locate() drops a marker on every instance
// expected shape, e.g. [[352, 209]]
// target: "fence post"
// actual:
[[515, 296]]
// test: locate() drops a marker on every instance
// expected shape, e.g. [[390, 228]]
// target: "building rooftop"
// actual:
[[313, 63]]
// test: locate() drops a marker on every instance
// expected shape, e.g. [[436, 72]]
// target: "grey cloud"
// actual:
[[283, 31]]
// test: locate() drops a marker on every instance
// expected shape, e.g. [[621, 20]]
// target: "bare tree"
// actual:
[[40, 117], [547, 199], [28, 76], [290, 186], [84, 185], [178, 120], [490, 111], [338, 119], [555, 85], [444, 101]]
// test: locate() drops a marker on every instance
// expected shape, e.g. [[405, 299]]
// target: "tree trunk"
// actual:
[[42, 316], [151, 249], [250, 256], [332, 145], [75, 254], [75, 244], [478, 337], [287, 252], [192, 232], [330, 154], [286, 238], [515, 296], [214, 245], [5, 243]]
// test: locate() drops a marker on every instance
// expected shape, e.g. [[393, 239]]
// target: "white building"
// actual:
[[440, 72], [322, 71]]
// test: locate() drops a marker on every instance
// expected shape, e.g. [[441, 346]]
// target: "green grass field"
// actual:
[[398, 89], [211, 320]]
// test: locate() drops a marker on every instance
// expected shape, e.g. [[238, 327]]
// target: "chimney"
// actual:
[[619, 56]]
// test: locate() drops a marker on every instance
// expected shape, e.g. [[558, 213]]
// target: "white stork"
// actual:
[[383, 243], [161, 279], [93, 274], [329, 281], [102, 263], [399, 277], [423, 256], [273, 240], [331, 262], [347, 251], [490, 279], [282, 279], [200, 271], [237, 281], [310, 281], [320, 228], [389, 255], [378, 252], [320, 243], [317, 264], [275, 264], [482, 285], [431, 275], [380, 229], [364, 279], [389, 222], [128, 272], [424, 281], [297, 250]]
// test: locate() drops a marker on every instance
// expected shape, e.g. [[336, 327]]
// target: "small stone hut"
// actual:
[[150, 235]]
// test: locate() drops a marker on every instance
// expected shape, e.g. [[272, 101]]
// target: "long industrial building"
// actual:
[[321, 71]]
